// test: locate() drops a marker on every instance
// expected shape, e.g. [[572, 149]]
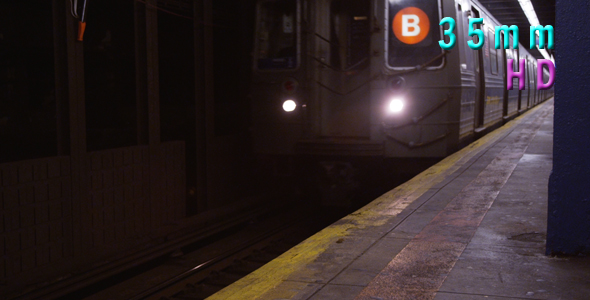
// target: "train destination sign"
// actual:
[[414, 34], [411, 25]]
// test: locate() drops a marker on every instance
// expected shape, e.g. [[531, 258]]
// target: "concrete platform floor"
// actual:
[[471, 227]]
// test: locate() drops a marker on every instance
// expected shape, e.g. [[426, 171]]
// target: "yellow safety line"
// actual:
[[376, 213]]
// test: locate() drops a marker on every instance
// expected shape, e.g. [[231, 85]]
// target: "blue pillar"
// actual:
[[568, 224]]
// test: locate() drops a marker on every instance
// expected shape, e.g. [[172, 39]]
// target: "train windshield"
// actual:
[[276, 35], [413, 33], [350, 34]]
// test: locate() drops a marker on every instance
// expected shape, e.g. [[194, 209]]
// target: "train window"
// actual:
[[349, 34], [515, 67], [493, 52], [413, 34], [462, 30], [460, 38], [276, 35]]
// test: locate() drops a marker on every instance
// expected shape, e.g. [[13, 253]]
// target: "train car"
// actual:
[[339, 81]]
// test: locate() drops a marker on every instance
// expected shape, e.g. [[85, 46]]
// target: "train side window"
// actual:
[[460, 38], [493, 52], [277, 41], [476, 26], [462, 29], [349, 34], [514, 56]]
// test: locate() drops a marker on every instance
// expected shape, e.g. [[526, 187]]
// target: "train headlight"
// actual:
[[289, 105], [396, 105]]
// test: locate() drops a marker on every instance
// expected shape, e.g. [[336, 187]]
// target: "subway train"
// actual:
[[340, 82]]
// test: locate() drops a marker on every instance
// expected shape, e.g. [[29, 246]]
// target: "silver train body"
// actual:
[[342, 65]]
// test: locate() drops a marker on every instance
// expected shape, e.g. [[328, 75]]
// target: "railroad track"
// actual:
[[201, 283], [199, 271]]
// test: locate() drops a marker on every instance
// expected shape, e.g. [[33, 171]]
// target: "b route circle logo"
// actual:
[[411, 25]]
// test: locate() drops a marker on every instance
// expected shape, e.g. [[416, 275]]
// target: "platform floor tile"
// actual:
[[366, 267], [340, 292]]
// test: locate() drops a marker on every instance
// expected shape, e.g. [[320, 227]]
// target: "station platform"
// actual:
[[472, 226]]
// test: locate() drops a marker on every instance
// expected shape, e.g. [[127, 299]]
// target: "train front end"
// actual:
[[347, 84], [416, 100]]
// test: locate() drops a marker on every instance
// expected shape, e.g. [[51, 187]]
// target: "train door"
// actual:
[[505, 94], [517, 60], [343, 43], [534, 90], [467, 74], [479, 79], [530, 83], [531, 73]]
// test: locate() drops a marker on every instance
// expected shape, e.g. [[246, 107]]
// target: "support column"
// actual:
[[203, 14], [141, 73], [154, 210], [61, 78], [153, 72], [77, 124], [569, 191]]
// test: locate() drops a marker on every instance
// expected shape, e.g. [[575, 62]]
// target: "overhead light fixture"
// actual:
[[531, 15], [529, 11]]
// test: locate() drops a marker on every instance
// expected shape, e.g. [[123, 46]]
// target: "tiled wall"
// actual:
[[35, 220], [172, 184], [131, 192], [118, 196]]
